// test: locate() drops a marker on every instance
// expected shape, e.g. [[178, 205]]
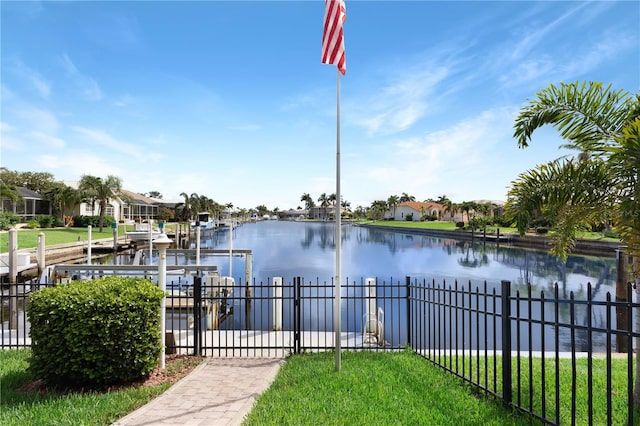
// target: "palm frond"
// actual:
[[569, 194], [589, 115]]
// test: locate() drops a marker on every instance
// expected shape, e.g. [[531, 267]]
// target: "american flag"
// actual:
[[332, 37]]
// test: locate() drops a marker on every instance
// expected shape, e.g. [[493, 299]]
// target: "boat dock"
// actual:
[[231, 343]]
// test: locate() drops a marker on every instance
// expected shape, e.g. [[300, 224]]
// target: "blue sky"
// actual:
[[230, 99]]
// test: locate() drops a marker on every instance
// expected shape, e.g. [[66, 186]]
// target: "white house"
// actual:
[[129, 207], [414, 210]]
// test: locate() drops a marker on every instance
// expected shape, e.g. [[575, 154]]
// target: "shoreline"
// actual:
[[539, 242]]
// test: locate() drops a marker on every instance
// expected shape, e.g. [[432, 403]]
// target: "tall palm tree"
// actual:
[[392, 203], [406, 197], [378, 207], [604, 125], [98, 190], [324, 202], [308, 201], [62, 198], [186, 207]]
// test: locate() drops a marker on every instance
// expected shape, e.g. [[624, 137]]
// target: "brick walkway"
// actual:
[[221, 391]]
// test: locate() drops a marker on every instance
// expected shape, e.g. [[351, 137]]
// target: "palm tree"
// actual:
[[100, 191], [602, 124], [324, 202], [603, 181], [308, 201], [10, 192], [378, 207], [406, 197], [185, 214], [393, 202], [467, 207], [62, 198]]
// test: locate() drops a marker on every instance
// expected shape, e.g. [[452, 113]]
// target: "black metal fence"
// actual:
[[551, 357], [558, 357], [280, 317]]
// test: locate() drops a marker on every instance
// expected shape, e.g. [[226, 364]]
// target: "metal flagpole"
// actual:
[[333, 53], [338, 219]]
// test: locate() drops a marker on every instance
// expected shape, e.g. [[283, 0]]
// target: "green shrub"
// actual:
[[409, 217], [46, 221], [542, 230], [95, 333], [460, 224], [33, 224], [503, 221], [94, 221], [8, 220]]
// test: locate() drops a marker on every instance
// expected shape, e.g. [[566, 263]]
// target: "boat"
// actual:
[[142, 233], [204, 222]]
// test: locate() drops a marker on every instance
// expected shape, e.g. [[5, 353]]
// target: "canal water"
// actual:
[[291, 249], [307, 249]]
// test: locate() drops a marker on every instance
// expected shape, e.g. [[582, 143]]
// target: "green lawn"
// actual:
[[451, 226], [89, 408], [398, 388], [401, 388], [28, 238], [393, 388]]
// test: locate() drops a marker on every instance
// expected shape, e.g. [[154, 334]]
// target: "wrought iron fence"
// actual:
[[280, 317], [537, 352]]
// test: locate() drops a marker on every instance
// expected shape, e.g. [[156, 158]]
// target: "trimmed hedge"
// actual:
[[95, 333]]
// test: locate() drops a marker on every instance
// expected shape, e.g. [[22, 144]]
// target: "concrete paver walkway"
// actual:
[[221, 391]]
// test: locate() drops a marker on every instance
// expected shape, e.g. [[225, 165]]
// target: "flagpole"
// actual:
[[338, 218]]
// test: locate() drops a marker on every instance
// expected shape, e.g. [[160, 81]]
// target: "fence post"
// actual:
[[197, 315], [409, 330], [277, 303], [506, 342], [296, 315]]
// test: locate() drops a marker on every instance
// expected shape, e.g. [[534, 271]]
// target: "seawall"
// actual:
[[540, 242]]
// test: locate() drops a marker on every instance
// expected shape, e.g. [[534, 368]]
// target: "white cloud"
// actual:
[[401, 102], [11, 142], [98, 137], [71, 167], [38, 120], [535, 35], [88, 87], [34, 79], [609, 46], [434, 163], [4, 127], [124, 101], [246, 127], [50, 141]]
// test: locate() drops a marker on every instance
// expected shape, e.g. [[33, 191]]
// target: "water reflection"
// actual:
[[292, 249]]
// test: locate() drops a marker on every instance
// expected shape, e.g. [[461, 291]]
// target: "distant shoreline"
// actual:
[[540, 242]]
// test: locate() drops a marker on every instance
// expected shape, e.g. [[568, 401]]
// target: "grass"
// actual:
[[492, 229], [51, 408], [28, 238], [403, 388], [527, 385], [390, 388], [371, 388]]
